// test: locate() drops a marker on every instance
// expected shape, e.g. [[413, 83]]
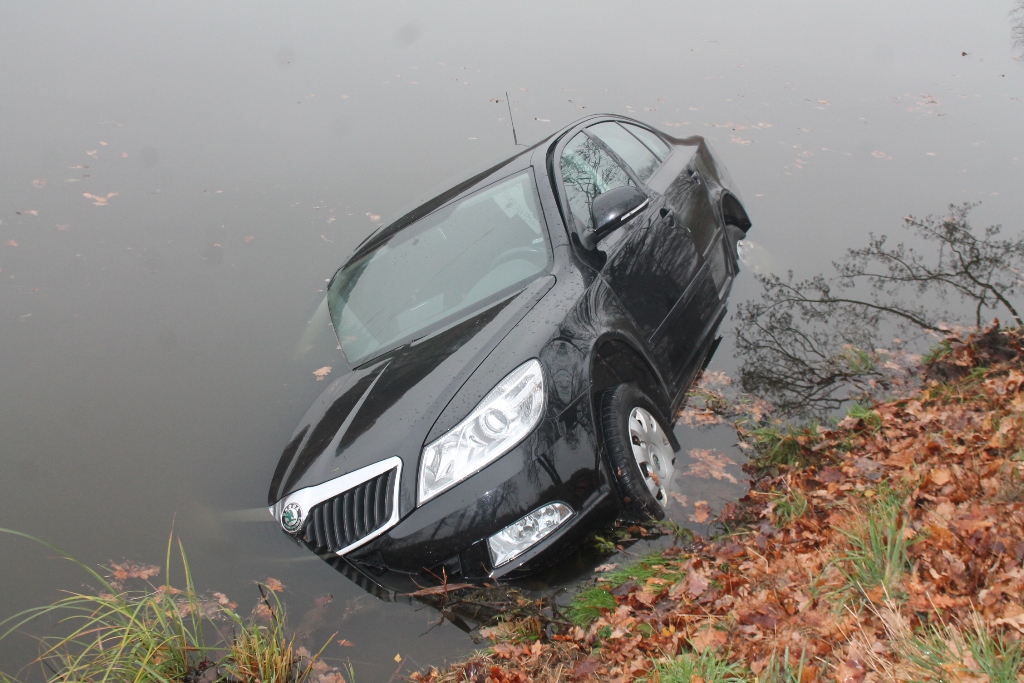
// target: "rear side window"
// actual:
[[655, 143], [639, 158], [587, 171]]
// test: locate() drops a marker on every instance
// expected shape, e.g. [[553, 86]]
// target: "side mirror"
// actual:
[[611, 210], [734, 234]]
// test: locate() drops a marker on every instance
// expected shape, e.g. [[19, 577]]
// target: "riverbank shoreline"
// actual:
[[886, 547]]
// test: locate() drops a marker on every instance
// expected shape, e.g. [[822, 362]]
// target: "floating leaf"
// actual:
[[97, 200], [702, 512]]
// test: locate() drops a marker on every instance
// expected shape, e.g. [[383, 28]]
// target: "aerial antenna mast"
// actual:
[[515, 138]]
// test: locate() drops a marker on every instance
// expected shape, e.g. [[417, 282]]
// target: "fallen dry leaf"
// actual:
[[851, 671], [709, 637], [702, 512], [322, 372], [1016, 622], [274, 585], [696, 585], [679, 498], [133, 570], [224, 601], [940, 476]]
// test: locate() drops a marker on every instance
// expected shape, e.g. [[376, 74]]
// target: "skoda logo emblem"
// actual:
[[291, 517]]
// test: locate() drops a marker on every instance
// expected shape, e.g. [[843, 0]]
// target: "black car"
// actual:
[[515, 348]]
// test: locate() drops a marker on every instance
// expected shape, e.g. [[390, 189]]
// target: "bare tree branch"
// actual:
[[808, 345]]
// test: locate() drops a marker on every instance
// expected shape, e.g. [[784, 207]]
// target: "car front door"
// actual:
[[651, 260], [686, 250]]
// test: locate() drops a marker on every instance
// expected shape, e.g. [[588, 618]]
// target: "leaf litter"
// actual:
[[886, 547], [708, 464]]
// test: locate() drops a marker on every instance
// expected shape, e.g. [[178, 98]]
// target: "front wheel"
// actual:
[[639, 451]]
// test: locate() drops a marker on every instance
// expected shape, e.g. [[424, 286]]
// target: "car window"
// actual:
[[587, 171], [655, 143], [440, 267], [626, 146]]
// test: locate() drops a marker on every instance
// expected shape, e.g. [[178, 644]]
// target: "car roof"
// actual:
[[507, 164]]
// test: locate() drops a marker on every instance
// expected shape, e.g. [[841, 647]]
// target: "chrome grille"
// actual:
[[352, 515]]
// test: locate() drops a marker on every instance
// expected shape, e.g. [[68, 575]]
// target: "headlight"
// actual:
[[499, 422]]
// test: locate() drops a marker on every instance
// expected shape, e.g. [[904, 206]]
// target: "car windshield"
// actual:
[[438, 269]]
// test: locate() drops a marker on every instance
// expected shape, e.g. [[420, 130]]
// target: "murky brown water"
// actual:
[[178, 182]]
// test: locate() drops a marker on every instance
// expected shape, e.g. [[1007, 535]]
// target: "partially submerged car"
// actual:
[[515, 349]]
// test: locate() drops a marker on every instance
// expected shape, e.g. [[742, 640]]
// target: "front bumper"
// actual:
[[447, 536]]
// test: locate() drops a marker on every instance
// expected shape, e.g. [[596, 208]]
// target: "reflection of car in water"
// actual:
[[514, 349]]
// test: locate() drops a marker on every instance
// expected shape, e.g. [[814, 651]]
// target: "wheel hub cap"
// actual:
[[652, 452]]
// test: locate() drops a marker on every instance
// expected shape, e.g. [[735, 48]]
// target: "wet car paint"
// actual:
[[643, 306]]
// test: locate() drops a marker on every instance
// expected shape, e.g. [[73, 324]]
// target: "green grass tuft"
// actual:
[[877, 554], [709, 666], [586, 606], [858, 361], [872, 420], [780, 669], [783, 445], [792, 506], [639, 571], [947, 653], [157, 635], [937, 352], [1000, 658]]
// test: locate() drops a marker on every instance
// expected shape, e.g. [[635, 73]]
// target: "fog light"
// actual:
[[518, 537]]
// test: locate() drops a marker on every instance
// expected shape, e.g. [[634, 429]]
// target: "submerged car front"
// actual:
[[449, 446]]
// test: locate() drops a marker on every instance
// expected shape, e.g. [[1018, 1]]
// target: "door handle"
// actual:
[[668, 215]]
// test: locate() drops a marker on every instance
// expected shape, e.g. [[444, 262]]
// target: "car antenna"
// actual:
[[515, 139]]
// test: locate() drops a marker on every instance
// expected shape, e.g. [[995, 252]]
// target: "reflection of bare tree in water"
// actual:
[[1017, 28], [808, 345]]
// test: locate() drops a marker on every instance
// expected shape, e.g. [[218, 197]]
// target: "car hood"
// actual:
[[387, 406]]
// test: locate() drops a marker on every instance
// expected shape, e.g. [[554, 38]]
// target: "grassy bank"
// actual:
[[887, 547], [127, 628]]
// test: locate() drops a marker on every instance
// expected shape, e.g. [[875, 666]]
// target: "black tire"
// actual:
[[635, 495]]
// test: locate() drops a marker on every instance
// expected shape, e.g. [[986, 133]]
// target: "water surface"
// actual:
[[180, 180]]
